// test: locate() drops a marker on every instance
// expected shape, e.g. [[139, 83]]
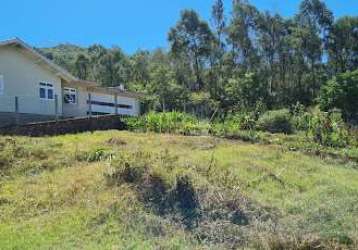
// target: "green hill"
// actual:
[[121, 190], [64, 55]]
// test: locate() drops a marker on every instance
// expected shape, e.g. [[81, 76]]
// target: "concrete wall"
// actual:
[[66, 126], [22, 76], [7, 119]]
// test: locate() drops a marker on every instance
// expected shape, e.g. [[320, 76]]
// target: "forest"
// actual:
[[235, 62]]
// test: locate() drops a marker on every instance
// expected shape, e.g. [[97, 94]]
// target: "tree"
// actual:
[[271, 35], [343, 45], [244, 90], [164, 86], [192, 38], [341, 92], [218, 20], [82, 65], [314, 23], [241, 30]]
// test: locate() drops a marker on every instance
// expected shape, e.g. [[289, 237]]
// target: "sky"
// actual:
[[129, 24]]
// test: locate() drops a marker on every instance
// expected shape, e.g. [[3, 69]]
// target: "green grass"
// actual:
[[54, 194]]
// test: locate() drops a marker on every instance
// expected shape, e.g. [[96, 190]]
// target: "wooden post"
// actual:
[[89, 104], [116, 104], [17, 120], [56, 107]]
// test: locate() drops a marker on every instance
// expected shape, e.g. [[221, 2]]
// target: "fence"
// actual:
[[23, 109], [30, 105], [17, 110]]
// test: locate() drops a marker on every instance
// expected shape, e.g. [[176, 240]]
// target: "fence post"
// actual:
[[56, 107], [17, 120], [116, 103], [89, 105]]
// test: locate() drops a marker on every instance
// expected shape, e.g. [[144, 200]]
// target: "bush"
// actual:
[[169, 122], [329, 129], [341, 92], [277, 121]]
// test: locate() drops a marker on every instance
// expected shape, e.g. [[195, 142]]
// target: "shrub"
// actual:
[[329, 129], [341, 92], [169, 122], [128, 168], [300, 117], [277, 121]]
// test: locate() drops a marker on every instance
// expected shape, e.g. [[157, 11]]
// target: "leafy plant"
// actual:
[[341, 92], [329, 129]]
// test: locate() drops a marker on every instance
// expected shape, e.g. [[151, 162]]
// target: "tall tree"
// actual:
[[82, 65], [314, 23], [192, 38], [241, 33], [343, 45], [218, 20]]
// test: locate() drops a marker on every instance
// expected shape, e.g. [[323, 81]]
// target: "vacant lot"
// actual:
[[121, 190]]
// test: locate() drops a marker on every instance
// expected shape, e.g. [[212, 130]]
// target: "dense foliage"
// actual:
[[234, 61], [341, 92]]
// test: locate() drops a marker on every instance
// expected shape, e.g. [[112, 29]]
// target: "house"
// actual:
[[32, 88]]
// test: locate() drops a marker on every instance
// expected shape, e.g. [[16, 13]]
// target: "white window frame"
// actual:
[[47, 86], [2, 84], [70, 91]]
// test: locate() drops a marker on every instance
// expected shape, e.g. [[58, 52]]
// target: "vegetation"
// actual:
[[313, 132], [278, 121], [289, 182], [234, 61], [341, 92], [143, 191]]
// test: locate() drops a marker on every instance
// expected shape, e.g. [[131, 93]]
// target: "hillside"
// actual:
[[115, 190], [64, 55]]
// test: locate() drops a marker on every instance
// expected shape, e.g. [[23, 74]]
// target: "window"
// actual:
[[108, 104], [46, 91], [1, 84], [70, 95]]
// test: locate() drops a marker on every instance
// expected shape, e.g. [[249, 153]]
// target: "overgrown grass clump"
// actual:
[[277, 121]]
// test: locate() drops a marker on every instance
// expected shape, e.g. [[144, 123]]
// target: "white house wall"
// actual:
[[81, 108], [106, 98], [78, 109], [21, 78]]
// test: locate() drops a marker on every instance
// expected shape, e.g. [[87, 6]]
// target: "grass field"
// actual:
[[122, 190]]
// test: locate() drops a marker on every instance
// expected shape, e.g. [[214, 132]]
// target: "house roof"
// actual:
[[16, 42], [40, 59]]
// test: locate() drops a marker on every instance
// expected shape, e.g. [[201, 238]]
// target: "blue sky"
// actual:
[[130, 24]]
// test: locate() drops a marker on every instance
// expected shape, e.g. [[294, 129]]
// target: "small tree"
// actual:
[[341, 92]]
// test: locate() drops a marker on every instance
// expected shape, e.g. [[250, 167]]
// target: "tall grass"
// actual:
[[170, 122]]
